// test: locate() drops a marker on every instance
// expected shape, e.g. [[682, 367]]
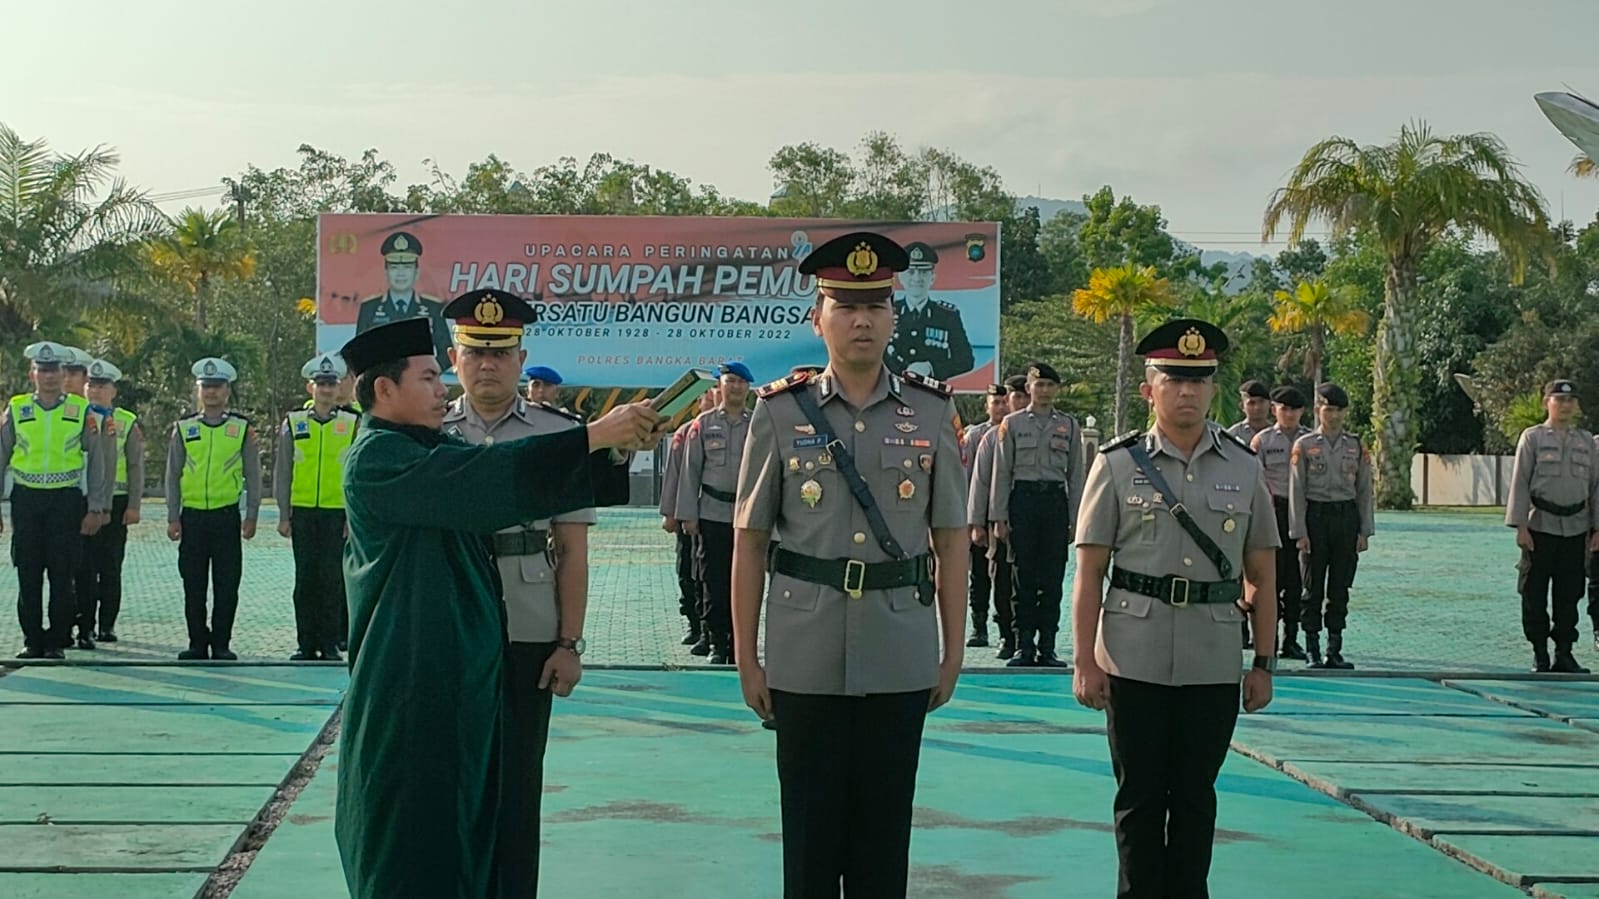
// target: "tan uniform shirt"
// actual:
[[1323, 470], [1557, 466], [1274, 447], [672, 470], [1034, 447], [970, 439], [99, 456], [904, 444], [1140, 637], [1244, 432], [712, 451], [531, 612]]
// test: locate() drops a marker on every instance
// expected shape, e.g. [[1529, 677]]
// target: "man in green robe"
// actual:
[[419, 778]]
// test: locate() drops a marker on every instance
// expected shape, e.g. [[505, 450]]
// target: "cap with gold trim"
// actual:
[[489, 318], [401, 247], [1184, 348], [857, 267]]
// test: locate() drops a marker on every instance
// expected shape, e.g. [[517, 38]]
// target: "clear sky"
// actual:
[[1201, 106]]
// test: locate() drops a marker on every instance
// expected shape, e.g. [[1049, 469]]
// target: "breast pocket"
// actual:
[[1580, 460], [812, 483], [1026, 449], [1549, 460], [907, 473], [1143, 515], [1229, 522], [716, 447], [1060, 448], [794, 594]]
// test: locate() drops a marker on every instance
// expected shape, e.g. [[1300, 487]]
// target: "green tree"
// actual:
[[203, 249], [812, 181], [1408, 194], [1316, 309], [1121, 293], [1062, 253]]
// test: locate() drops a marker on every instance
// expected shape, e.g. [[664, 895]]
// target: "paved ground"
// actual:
[[1435, 593]]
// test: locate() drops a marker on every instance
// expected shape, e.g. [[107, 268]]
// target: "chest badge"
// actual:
[[793, 463], [826, 458], [907, 490], [905, 412], [925, 460], [1229, 525], [805, 429], [906, 427], [810, 493]]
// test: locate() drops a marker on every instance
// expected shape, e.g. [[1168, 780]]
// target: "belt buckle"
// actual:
[[854, 571], [1171, 593]]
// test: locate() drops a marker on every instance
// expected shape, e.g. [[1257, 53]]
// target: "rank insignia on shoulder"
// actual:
[[1237, 440], [926, 383], [557, 410], [1121, 441], [783, 385]]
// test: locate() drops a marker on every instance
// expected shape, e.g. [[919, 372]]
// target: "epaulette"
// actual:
[[232, 414], [946, 304], [557, 410], [783, 385], [1121, 441], [926, 383], [1238, 440]]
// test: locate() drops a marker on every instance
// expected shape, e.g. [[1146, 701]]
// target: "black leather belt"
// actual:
[[522, 543], [1562, 509], [714, 493], [1177, 591], [1038, 486], [853, 577]]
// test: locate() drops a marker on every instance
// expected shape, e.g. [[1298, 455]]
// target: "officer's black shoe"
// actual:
[[223, 654], [194, 655], [342, 645], [1566, 663], [1007, 648], [331, 655], [703, 647], [769, 724], [1022, 659], [29, 652], [84, 642], [1313, 649], [977, 639], [1048, 659], [721, 657], [106, 637], [1540, 659], [303, 655], [58, 654], [693, 637], [1335, 651], [1291, 650]]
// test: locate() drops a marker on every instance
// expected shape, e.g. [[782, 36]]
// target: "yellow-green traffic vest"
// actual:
[[319, 450], [122, 426], [48, 454], [213, 461]]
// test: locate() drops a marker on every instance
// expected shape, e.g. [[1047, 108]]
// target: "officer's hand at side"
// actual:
[[752, 680], [91, 524], [1257, 689], [1001, 530], [634, 426], [669, 524], [1360, 543], [1304, 544], [1524, 538], [691, 528], [979, 537], [247, 530], [1593, 543], [283, 527], [947, 676], [1090, 685], [561, 673], [174, 531], [131, 516]]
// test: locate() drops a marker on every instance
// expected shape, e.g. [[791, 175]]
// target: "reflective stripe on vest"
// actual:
[[319, 450], [213, 464], [122, 425], [48, 454]]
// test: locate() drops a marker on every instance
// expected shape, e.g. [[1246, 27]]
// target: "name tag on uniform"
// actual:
[[232, 430], [818, 440], [1140, 481], [1227, 488]]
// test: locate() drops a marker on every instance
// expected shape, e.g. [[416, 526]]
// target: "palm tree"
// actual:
[[68, 227], [1121, 293], [204, 247], [1316, 309], [1408, 194], [1583, 166]]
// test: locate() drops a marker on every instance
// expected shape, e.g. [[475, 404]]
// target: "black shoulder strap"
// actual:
[[852, 475], [1224, 566]]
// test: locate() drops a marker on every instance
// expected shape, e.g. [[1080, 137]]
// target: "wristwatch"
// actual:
[[575, 644], [1265, 663]]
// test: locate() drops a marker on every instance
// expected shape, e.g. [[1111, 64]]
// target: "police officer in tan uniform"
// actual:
[[690, 586], [1330, 515], [852, 661], [1033, 502], [1255, 400], [712, 451], [1174, 517], [1554, 507], [1001, 560], [1274, 446], [543, 568], [982, 579]]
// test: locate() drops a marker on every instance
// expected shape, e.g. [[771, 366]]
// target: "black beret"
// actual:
[[995, 390], [1330, 394], [1288, 396], [1254, 389], [1042, 371], [1016, 383]]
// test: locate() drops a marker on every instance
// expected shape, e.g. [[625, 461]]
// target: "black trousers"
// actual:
[[1167, 745], [318, 539], [1039, 524], [1593, 590], [526, 733], [210, 549], [982, 585], [1002, 571], [1551, 571], [99, 579], [1333, 529], [1290, 576], [45, 540], [846, 767], [687, 592], [716, 568]]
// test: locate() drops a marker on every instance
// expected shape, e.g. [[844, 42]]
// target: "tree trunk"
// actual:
[[1395, 386], [200, 290], [1124, 352], [1318, 353]]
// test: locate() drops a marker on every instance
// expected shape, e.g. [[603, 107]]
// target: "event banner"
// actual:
[[627, 301]]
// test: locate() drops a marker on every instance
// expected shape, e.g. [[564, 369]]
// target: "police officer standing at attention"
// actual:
[[999, 561], [860, 469], [1181, 512], [100, 585], [402, 259], [929, 337], [712, 451], [1274, 446], [689, 587], [1038, 483], [308, 484], [543, 384], [62, 470], [982, 579], [1329, 493], [1554, 507], [75, 371], [1256, 402], [212, 459]]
